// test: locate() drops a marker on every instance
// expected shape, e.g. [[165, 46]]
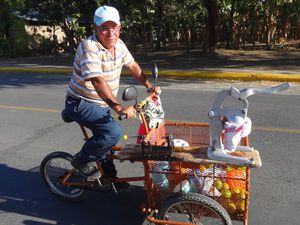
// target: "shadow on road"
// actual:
[[23, 80], [22, 192]]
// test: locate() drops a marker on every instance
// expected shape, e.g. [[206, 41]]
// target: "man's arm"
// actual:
[[105, 93], [138, 73]]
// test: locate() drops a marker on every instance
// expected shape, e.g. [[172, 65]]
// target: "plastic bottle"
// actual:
[[159, 177], [185, 187]]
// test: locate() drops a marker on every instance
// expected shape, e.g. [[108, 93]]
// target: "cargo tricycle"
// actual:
[[194, 173]]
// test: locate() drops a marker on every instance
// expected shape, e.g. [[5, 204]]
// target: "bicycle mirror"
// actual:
[[130, 93], [155, 73]]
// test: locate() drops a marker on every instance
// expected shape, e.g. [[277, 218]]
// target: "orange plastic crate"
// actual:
[[228, 185]]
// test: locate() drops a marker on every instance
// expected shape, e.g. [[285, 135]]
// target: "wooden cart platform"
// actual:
[[133, 152]]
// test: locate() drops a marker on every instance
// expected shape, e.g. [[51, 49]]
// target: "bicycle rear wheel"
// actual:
[[195, 209], [53, 168]]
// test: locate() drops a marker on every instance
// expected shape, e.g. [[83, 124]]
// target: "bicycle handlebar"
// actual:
[[121, 117], [139, 105]]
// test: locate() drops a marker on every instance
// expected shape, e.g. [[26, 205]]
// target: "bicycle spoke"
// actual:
[[195, 209], [53, 169]]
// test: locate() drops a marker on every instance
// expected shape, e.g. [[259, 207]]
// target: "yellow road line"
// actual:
[[234, 75], [11, 107], [275, 129], [269, 129], [35, 69]]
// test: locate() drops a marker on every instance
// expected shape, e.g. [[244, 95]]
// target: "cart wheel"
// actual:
[[53, 168], [194, 208]]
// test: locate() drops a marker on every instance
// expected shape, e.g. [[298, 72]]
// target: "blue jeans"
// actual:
[[106, 131]]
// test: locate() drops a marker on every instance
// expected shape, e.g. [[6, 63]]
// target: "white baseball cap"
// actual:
[[106, 13]]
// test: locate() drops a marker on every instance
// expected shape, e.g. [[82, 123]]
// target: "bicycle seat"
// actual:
[[66, 118]]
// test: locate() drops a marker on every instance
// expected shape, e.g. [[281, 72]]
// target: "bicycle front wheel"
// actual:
[[54, 168], [195, 209]]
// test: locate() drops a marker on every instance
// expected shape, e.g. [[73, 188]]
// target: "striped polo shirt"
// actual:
[[93, 60]]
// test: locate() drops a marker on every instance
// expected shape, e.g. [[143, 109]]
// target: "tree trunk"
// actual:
[[55, 42], [298, 29], [230, 26], [270, 25], [6, 21], [210, 42], [282, 27], [238, 36], [70, 36], [254, 26], [159, 12]]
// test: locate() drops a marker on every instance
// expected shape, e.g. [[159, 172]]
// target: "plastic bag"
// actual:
[[236, 128]]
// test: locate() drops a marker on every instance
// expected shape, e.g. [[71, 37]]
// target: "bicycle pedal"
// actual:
[[103, 184], [91, 179]]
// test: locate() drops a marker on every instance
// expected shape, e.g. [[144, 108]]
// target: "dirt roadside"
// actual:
[[277, 61]]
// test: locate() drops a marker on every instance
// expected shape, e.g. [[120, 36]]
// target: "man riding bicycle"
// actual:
[[93, 89]]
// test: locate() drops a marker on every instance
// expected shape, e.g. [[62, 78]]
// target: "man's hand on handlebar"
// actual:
[[154, 90], [128, 112]]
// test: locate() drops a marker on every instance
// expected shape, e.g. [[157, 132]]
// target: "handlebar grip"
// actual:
[[121, 117]]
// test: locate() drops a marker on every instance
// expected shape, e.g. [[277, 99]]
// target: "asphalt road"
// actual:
[[31, 128]]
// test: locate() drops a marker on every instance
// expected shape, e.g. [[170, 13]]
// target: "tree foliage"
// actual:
[[13, 38], [159, 24]]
